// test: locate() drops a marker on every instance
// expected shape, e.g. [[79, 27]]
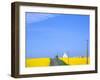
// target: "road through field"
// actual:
[[55, 62]]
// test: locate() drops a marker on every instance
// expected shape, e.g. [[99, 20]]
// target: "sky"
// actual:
[[48, 35]]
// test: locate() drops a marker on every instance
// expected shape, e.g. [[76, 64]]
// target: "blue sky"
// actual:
[[48, 35]]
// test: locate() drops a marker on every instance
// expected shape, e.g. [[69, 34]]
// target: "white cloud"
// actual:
[[37, 17]]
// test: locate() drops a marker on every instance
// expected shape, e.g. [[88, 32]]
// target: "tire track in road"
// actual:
[[56, 62]]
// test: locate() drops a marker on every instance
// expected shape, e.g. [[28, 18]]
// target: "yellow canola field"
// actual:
[[75, 60], [33, 62], [39, 62]]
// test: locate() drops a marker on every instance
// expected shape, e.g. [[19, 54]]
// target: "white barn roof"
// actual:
[[65, 55]]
